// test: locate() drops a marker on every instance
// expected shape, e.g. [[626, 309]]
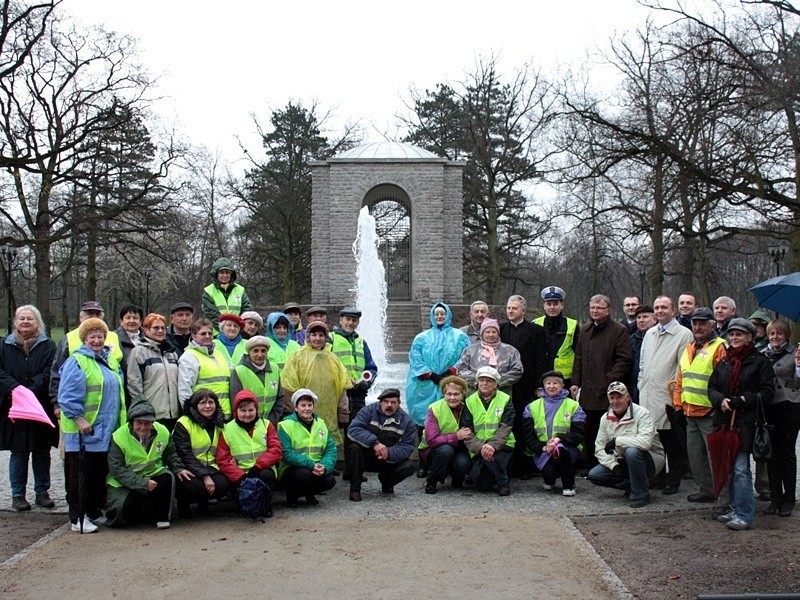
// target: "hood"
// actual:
[[272, 320], [241, 397], [223, 263], [760, 315], [448, 318]]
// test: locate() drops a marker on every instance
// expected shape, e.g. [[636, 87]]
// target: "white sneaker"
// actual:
[[101, 520], [568, 492], [88, 526], [163, 524], [548, 487]]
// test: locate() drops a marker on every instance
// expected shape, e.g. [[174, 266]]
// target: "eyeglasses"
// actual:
[[158, 328]]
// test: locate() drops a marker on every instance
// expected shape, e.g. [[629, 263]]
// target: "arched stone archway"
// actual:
[[390, 206]]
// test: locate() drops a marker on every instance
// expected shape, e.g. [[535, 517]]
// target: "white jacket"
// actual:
[[634, 430]]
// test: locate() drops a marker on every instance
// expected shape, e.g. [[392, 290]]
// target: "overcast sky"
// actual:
[[218, 63]]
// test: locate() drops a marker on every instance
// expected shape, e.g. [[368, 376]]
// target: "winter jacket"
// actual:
[[188, 370], [787, 386], [509, 365], [397, 432], [72, 398], [433, 352], [603, 355], [178, 341], [33, 372], [661, 353], [529, 340], [237, 386], [634, 430], [127, 344], [433, 433], [500, 437], [756, 383], [183, 442], [292, 458], [209, 307], [153, 373], [573, 437], [269, 459]]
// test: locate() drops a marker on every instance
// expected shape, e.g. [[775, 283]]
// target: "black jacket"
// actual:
[[529, 339]]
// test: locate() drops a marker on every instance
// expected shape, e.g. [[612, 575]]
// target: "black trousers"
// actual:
[[300, 481], [95, 471], [677, 458], [782, 467], [194, 490], [590, 428], [559, 466], [150, 507], [363, 459]]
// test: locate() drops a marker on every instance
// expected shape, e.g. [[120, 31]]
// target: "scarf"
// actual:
[[735, 357], [27, 342], [488, 350], [229, 344]]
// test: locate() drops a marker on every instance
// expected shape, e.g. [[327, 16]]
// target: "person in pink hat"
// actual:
[[489, 351]]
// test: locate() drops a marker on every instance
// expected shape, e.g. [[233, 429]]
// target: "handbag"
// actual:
[[762, 442]]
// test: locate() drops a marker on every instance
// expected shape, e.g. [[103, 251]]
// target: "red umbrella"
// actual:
[[25, 405], [723, 446]]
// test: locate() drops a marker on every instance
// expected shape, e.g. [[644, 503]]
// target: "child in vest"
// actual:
[[553, 427]]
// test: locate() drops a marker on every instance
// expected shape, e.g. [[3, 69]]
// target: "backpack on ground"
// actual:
[[255, 498]]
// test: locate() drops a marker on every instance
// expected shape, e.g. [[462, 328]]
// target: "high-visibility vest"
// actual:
[[565, 357], [351, 354], [214, 375], [203, 447], [562, 419], [444, 416], [277, 355], [94, 392], [246, 450], [232, 304], [486, 420], [145, 462], [266, 392], [233, 359], [112, 341], [696, 372], [311, 443]]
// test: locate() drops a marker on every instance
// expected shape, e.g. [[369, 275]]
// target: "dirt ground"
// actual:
[[18, 531], [683, 554]]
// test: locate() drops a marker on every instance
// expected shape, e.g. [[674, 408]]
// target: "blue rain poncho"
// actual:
[[432, 351]]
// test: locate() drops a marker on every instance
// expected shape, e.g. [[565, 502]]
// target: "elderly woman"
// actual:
[[257, 374], [130, 329], [142, 466], [315, 367], [26, 356], [196, 436], [309, 452], [442, 447], [92, 405], [490, 351], [784, 416], [153, 371], [253, 324], [433, 356], [281, 344], [738, 383], [200, 367], [229, 342]]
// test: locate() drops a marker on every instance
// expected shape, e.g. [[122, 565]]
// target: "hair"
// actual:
[[671, 303], [131, 308], [152, 318], [727, 300], [520, 299], [782, 326], [602, 298], [37, 316], [688, 294], [454, 380], [199, 324], [477, 303], [200, 395]]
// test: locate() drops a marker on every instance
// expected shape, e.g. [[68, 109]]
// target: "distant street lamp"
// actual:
[[148, 273], [777, 252], [9, 256]]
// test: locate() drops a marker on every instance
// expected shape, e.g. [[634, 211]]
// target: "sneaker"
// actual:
[[738, 525], [548, 486], [727, 517], [45, 501], [88, 526], [20, 503], [568, 492], [163, 524]]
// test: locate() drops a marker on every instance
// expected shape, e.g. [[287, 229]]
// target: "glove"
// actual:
[[610, 445], [736, 403], [361, 388], [617, 470], [435, 378], [254, 472]]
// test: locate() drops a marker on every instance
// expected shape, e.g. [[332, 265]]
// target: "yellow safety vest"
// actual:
[[145, 462], [112, 341], [444, 416], [565, 357], [311, 443], [233, 359], [266, 392], [203, 447], [562, 419], [232, 304], [486, 420], [696, 373], [94, 393], [214, 375], [351, 355], [277, 355], [246, 450]]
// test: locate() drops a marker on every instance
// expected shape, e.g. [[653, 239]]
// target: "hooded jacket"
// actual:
[[208, 306], [280, 350], [434, 351], [153, 373]]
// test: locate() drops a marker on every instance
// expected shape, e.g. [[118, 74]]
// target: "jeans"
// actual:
[[640, 468], [741, 489], [445, 460], [18, 472]]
